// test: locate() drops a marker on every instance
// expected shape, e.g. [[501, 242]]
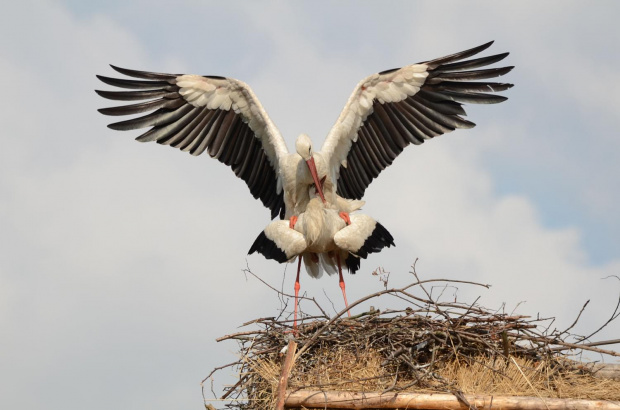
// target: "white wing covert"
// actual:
[[394, 108], [205, 113]]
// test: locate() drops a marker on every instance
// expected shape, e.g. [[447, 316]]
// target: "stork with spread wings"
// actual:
[[386, 112]]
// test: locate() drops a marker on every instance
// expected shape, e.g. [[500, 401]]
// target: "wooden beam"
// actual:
[[370, 400], [286, 370]]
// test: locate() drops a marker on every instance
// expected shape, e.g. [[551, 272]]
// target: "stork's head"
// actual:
[[303, 146]]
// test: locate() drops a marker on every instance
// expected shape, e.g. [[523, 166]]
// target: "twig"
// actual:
[[413, 342], [576, 319], [614, 315], [285, 294]]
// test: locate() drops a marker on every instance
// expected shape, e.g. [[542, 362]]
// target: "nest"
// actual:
[[431, 346]]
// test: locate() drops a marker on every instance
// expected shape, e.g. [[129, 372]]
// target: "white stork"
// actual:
[[386, 112], [322, 234]]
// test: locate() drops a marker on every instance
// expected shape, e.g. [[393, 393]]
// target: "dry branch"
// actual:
[[286, 369], [443, 347]]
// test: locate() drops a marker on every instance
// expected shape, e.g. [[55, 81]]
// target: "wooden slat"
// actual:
[[353, 400]]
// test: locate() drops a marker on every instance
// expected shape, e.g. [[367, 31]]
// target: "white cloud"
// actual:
[[122, 260]]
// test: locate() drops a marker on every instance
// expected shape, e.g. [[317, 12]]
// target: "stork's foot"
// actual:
[[345, 217], [292, 222]]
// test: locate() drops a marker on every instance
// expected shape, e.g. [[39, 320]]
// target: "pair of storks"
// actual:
[[313, 193]]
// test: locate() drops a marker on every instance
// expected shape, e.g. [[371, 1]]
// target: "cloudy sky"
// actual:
[[122, 262]]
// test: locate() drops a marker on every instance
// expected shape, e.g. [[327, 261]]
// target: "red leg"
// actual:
[[292, 222], [345, 216], [344, 293], [297, 287]]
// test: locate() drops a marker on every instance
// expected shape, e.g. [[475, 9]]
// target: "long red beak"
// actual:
[[315, 177]]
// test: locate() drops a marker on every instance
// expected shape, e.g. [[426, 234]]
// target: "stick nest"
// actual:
[[430, 346]]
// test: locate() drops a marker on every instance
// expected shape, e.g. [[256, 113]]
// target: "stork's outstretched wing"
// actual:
[[392, 109], [205, 113]]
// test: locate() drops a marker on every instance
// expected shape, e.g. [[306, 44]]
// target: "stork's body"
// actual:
[[386, 112], [322, 237]]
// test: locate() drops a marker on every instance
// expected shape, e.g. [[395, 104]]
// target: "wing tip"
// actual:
[[353, 263], [115, 125], [144, 75], [112, 111], [267, 248], [504, 70], [478, 49], [126, 71]]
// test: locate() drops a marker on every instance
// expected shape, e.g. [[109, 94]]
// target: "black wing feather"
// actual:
[[225, 135], [435, 110], [378, 239]]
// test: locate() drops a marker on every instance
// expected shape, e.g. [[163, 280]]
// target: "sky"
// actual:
[[121, 262]]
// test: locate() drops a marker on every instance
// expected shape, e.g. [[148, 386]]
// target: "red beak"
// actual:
[[315, 177]]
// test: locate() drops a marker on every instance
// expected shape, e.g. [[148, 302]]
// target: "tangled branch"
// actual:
[[409, 348]]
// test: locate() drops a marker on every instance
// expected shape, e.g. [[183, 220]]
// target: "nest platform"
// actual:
[[431, 355]]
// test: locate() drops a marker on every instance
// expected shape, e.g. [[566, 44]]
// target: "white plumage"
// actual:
[[385, 113], [322, 234]]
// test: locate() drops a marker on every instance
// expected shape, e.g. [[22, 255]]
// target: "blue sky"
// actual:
[[122, 262]]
